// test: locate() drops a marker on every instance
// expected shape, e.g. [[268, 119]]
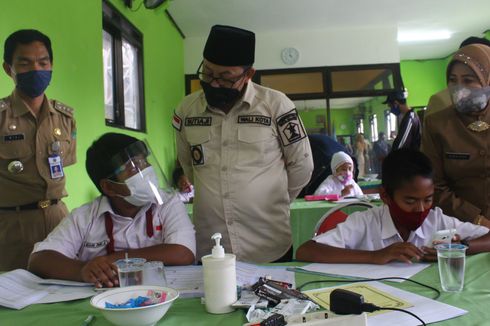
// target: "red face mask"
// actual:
[[410, 220]]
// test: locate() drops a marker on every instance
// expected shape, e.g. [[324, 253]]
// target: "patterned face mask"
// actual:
[[469, 99]]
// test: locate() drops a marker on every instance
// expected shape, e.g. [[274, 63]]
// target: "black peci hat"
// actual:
[[230, 46]]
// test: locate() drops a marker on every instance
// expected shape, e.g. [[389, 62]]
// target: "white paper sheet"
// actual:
[[19, 288], [367, 270], [188, 280], [430, 311], [64, 282], [248, 274]]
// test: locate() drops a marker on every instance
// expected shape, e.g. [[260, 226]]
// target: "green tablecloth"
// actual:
[[474, 298]]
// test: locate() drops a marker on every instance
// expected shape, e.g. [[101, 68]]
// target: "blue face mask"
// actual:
[[395, 109], [33, 83]]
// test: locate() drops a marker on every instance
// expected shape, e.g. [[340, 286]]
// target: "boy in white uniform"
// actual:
[[340, 182], [399, 230], [131, 216]]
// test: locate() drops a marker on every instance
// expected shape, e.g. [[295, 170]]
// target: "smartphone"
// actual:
[[442, 236]]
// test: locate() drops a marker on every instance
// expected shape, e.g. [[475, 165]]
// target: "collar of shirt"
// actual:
[[389, 230], [105, 206], [20, 107]]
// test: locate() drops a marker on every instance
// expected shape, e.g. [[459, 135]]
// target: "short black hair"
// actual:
[[25, 36], [474, 40], [100, 153], [402, 166]]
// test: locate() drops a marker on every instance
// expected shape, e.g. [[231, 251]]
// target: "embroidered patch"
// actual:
[[15, 137], [96, 244], [198, 121], [197, 155], [457, 156], [177, 122], [255, 119], [290, 128]]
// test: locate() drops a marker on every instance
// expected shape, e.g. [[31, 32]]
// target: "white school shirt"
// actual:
[[82, 234], [374, 229], [332, 186]]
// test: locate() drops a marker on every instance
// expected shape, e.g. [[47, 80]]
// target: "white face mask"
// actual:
[[144, 188], [467, 99], [344, 177]]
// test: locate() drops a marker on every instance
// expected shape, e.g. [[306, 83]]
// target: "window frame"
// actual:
[[119, 27]]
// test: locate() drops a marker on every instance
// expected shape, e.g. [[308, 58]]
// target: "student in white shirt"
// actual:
[[133, 215], [340, 182], [399, 230]]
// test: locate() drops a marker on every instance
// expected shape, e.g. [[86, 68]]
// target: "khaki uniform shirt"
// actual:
[[438, 102], [246, 166], [31, 140], [461, 161]]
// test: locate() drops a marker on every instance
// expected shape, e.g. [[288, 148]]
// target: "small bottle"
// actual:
[[219, 279]]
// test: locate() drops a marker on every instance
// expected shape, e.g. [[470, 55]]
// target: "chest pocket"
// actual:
[[65, 149], [255, 145], [16, 150], [200, 145], [462, 164]]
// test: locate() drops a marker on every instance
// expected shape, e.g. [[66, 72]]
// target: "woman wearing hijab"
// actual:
[[457, 138]]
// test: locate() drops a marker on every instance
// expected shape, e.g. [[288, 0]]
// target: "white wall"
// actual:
[[317, 48]]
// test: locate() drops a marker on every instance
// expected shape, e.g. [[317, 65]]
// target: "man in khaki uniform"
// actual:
[[37, 140], [246, 150], [457, 140]]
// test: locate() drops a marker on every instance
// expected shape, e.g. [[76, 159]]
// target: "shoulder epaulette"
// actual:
[[65, 109]]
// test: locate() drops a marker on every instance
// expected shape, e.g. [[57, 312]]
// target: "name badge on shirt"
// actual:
[[96, 244], [14, 137], [457, 156], [255, 119], [55, 167], [198, 121]]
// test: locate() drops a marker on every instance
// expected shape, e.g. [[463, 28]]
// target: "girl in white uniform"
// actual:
[[340, 182]]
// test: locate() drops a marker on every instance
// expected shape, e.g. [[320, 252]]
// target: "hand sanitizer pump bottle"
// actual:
[[219, 279]]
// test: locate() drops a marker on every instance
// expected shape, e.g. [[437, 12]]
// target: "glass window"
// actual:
[[123, 71], [107, 57], [362, 80], [294, 83], [391, 124], [373, 121]]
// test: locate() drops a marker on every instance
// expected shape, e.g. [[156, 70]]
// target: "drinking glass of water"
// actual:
[[154, 274], [451, 259], [130, 271]]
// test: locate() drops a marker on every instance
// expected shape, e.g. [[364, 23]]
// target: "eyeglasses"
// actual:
[[223, 82]]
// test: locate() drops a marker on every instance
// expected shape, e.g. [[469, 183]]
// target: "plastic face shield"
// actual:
[[139, 170]]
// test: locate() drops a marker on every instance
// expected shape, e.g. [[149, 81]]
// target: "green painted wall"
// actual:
[[75, 29], [340, 118], [423, 78]]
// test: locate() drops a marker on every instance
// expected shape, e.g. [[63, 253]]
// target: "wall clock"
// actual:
[[289, 56]]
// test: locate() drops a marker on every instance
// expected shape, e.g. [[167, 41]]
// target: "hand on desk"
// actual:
[[100, 271], [400, 251], [346, 190]]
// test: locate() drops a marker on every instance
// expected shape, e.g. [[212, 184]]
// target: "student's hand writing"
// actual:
[[430, 254], [400, 251], [346, 190], [100, 271]]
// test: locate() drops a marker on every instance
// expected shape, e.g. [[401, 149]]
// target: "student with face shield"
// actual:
[[136, 214], [456, 140]]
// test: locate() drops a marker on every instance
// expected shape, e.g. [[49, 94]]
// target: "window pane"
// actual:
[[295, 83], [130, 81], [362, 80], [107, 57]]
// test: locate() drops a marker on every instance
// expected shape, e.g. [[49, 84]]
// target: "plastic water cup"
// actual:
[[451, 258], [130, 271], [154, 274]]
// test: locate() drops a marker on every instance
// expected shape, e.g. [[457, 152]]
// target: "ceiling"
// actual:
[[461, 18]]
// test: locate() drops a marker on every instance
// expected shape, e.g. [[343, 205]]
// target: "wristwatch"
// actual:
[[465, 242]]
